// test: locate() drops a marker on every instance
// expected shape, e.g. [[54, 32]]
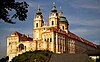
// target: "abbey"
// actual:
[[54, 36]]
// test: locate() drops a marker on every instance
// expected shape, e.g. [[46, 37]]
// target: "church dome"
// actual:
[[63, 19]]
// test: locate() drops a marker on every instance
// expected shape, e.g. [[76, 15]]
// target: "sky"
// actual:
[[83, 17]]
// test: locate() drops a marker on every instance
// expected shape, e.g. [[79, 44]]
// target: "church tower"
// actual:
[[53, 18], [38, 20], [63, 23], [38, 23]]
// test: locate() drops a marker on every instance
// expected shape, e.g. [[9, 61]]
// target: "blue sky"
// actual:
[[82, 15]]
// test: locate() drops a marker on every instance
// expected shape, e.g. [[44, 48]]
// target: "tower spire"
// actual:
[[54, 3], [60, 13], [60, 9], [39, 10], [54, 7]]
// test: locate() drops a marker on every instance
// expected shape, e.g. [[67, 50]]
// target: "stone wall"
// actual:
[[81, 48], [68, 58]]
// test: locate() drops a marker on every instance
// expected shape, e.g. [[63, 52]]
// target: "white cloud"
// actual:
[[4, 30], [91, 4], [96, 42], [83, 21], [21, 30], [88, 34], [86, 28], [85, 31], [79, 30]]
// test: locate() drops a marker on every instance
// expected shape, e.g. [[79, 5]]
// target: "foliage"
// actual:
[[90, 60], [4, 59], [98, 59], [33, 56], [20, 9]]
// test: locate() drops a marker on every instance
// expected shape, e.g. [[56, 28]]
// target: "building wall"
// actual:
[[12, 44], [61, 24], [61, 43], [50, 40], [71, 46], [83, 48], [14, 48], [69, 58], [45, 41], [53, 17]]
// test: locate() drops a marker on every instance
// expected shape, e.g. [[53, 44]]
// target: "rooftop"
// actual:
[[22, 37], [73, 36]]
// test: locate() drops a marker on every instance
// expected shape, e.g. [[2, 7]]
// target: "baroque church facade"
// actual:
[[54, 36]]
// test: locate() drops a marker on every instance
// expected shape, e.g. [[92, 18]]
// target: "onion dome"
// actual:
[[54, 7]]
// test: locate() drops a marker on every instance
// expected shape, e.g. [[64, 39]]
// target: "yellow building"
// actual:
[[54, 36], [17, 44]]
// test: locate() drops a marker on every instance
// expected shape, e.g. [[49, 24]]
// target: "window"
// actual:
[[9, 43], [50, 39], [45, 39], [63, 27], [52, 22], [36, 24], [42, 24], [37, 33], [21, 47]]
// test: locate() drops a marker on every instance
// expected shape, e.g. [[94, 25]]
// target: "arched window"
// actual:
[[52, 22], [21, 47], [36, 24], [63, 27], [45, 39]]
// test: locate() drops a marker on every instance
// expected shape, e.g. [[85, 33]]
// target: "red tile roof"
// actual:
[[16, 33], [73, 36], [22, 37]]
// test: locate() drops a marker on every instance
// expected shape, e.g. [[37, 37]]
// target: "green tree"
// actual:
[[4, 59], [20, 9], [98, 59], [33, 56], [90, 60]]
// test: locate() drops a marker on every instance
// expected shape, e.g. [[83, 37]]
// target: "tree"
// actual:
[[4, 59], [90, 60], [98, 59], [33, 56], [20, 9]]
